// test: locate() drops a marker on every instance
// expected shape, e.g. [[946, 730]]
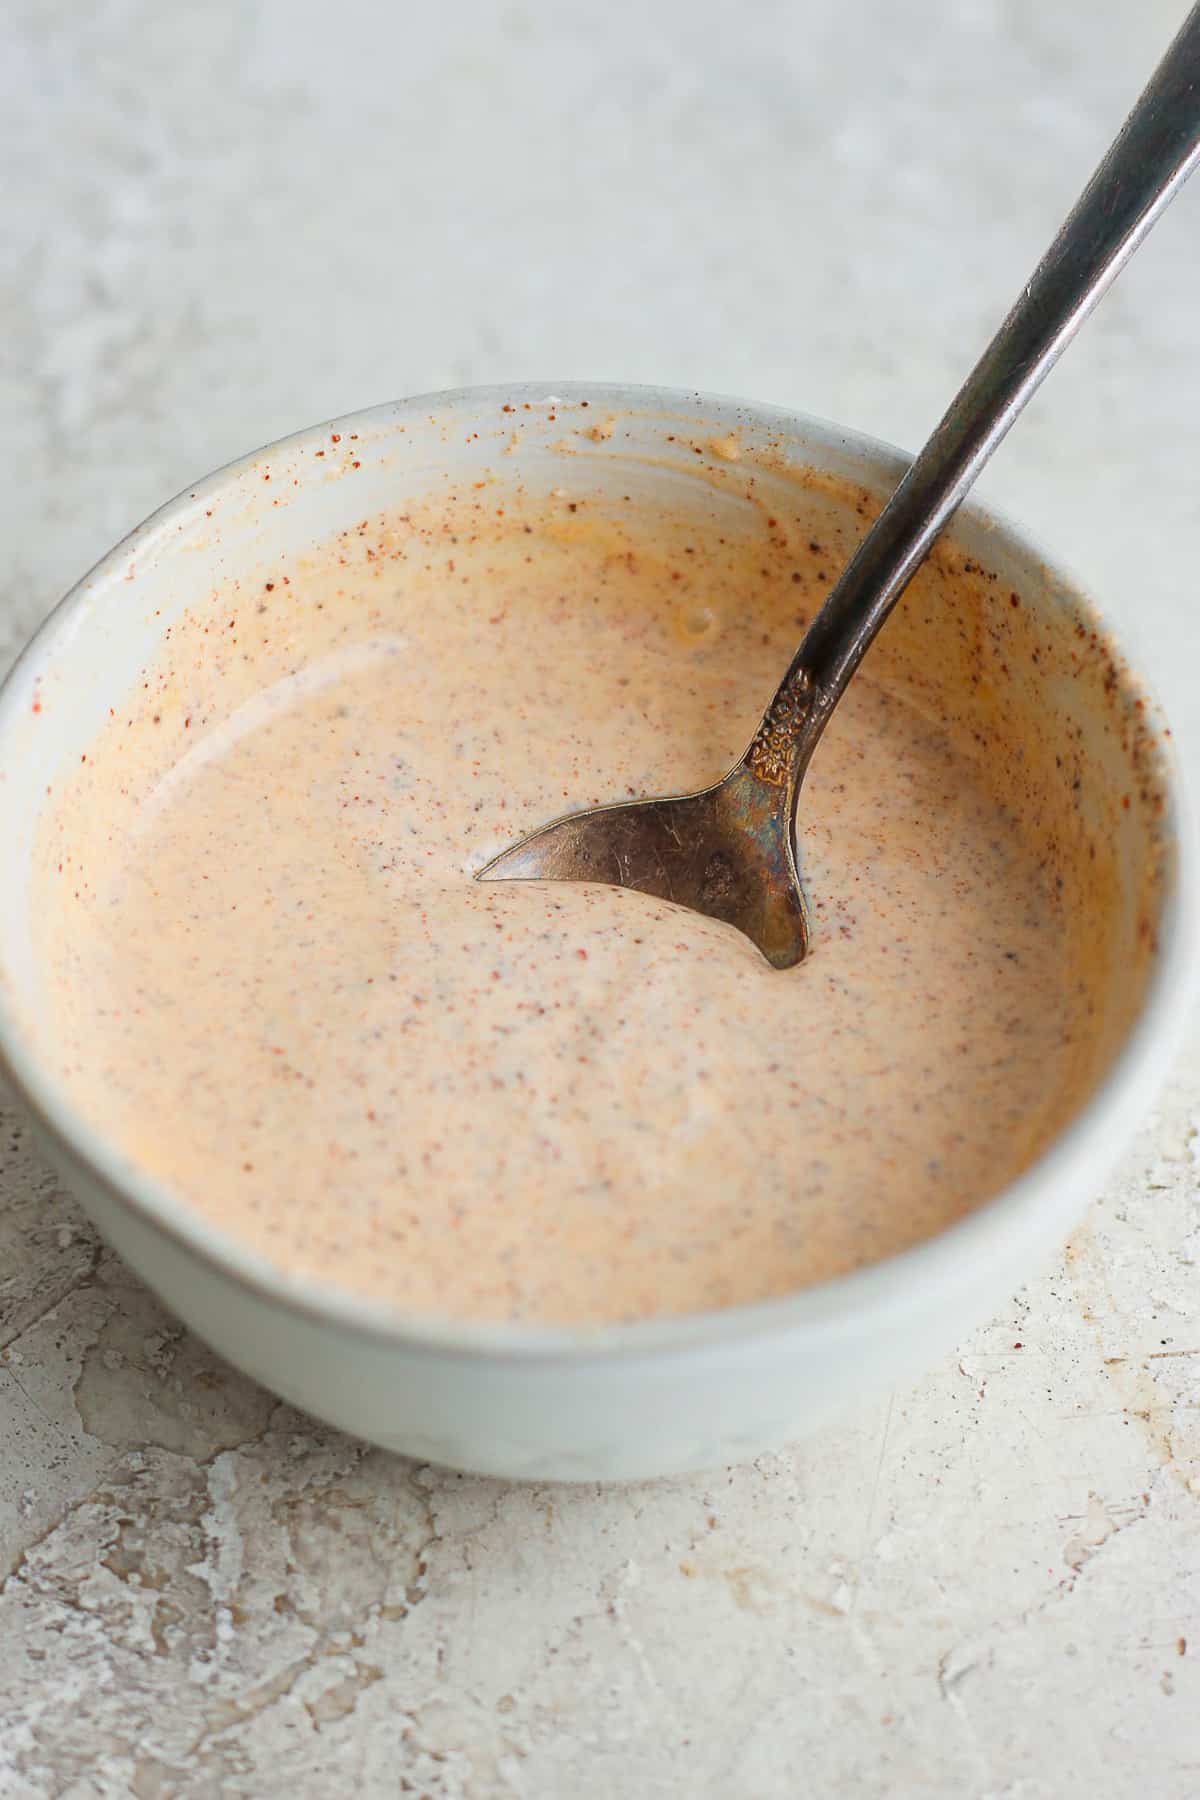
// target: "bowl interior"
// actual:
[[989, 639]]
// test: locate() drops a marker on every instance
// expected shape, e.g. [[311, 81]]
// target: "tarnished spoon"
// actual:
[[730, 850]]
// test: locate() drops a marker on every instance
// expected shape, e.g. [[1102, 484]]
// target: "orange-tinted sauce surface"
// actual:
[[275, 983]]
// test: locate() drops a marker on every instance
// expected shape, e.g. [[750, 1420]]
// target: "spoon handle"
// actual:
[[1156, 150]]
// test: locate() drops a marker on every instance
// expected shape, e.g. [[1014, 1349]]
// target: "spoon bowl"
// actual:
[[728, 851]]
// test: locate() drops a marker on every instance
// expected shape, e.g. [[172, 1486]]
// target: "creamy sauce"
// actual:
[[272, 979]]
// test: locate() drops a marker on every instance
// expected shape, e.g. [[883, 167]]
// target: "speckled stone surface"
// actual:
[[225, 222]]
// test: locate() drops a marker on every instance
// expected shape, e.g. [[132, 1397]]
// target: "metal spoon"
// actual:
[[730, 850]]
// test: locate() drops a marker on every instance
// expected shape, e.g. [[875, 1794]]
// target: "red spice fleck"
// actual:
[[335, 437], [356, 465], [582, 955], [1018, 1346], [270, 585], [37, 706]]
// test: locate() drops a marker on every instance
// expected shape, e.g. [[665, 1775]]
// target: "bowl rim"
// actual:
[[843, 1307]]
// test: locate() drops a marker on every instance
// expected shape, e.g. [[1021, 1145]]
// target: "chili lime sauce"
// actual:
[[273, 979]]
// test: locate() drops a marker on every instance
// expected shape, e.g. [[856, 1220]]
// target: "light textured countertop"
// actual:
[[232, 220]]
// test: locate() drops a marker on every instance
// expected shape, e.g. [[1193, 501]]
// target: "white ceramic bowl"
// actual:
[[623, 1401]]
